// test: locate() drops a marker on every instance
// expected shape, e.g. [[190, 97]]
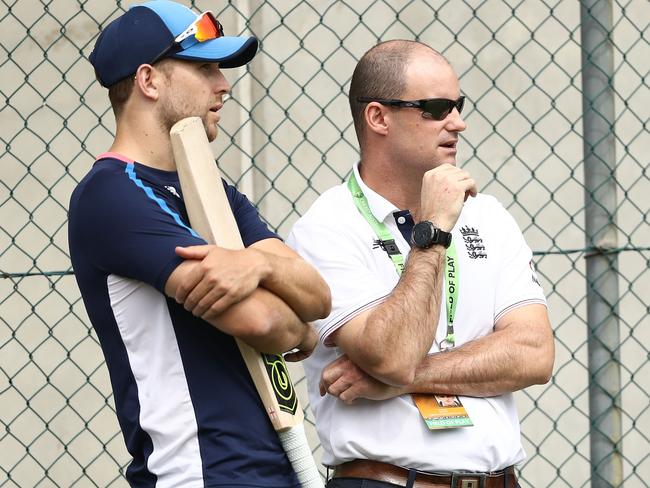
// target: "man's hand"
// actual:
[[345, 380], [444, 190], [222, 278], [305, 348]]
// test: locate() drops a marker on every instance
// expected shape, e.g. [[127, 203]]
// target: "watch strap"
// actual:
[[436, 236]]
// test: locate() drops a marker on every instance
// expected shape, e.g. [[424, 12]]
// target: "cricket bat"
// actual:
[[211, 217]]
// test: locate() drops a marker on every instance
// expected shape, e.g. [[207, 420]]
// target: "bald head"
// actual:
[[381, 73]]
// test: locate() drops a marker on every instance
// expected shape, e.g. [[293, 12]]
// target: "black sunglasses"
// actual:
[[435, 108]]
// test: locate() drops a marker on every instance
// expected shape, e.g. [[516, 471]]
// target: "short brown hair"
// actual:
[[380, 73], [119, 93]]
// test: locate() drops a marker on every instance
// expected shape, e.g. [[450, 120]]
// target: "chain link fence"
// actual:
[[286, 136]]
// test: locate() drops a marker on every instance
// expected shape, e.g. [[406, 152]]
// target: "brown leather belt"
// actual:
[[375, 470]]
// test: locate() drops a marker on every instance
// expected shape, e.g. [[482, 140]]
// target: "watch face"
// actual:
[[422, 234]]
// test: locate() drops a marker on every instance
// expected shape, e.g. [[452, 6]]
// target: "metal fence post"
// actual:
[[602, 261]]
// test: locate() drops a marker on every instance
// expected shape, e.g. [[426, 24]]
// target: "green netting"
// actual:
[[286, 136]]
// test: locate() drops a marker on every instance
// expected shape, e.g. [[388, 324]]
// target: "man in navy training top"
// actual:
[[164, 304]]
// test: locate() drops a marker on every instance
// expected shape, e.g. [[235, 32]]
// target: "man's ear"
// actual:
[[377, 118], [147, 81]]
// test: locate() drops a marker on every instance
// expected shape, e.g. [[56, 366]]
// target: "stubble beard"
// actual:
[[174, 111]]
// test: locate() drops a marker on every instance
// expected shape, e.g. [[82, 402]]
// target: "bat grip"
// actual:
[[295, 445]]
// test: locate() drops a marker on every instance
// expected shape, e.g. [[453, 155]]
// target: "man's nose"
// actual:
[[455, 122]]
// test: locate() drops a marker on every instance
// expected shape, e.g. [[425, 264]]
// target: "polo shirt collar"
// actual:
[[379, 206]]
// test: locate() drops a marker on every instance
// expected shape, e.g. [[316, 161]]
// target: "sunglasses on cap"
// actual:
[[433, 108], [205, 28]]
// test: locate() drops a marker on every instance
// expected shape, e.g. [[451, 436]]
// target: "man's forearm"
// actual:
[[397, 334], [223, 277], [501, 362], [260, 318], [264, 322], [299, 285], [518, 354]]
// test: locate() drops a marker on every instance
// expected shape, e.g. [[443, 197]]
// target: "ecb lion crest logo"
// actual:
[[473, 243]]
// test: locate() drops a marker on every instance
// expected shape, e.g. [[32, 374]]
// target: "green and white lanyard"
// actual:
[[387, 243]]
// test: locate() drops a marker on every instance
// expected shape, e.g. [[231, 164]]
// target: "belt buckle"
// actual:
[[479, 480]]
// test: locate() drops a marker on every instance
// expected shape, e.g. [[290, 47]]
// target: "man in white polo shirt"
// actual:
[[437, 314]]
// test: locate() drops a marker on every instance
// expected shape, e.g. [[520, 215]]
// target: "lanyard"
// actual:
[[387, 243]]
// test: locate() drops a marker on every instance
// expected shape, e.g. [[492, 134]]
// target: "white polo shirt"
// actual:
[[495, 275]]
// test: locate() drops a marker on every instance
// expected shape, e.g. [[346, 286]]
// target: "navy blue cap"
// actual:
[[146, 30]]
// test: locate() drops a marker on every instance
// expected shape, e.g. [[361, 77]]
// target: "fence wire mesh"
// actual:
[[286, 136]]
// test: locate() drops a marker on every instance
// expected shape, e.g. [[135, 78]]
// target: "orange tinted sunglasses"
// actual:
[[204, 28]]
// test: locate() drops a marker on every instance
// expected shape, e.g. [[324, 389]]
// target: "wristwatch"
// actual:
[[425, 235]]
